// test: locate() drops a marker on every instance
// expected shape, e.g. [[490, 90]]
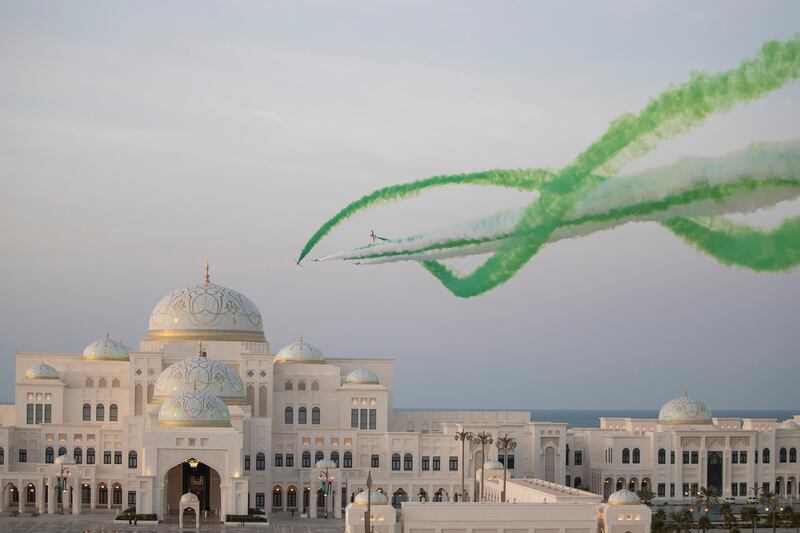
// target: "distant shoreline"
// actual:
[[590, 418]]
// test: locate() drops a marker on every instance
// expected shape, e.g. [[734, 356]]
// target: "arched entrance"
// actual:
[[398, 498], [197, 478], [550, 464], [607, 488], [714, 472]]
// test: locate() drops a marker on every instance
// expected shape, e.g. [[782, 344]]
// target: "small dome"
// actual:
[[41, 371], [790, 424], [376, 498], [206, 311], [106, 350], [194, 408], [322, 464], [189, 499], [624, 497], [362, 376], [201, 374], [493, 469], [300, 352], [684, 410]]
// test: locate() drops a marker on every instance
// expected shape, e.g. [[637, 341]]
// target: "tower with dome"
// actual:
[[205, 406]]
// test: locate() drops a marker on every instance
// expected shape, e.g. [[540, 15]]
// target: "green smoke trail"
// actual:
[[675, 111]]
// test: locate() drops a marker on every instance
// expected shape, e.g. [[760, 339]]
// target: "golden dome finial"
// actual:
[[206, 277]]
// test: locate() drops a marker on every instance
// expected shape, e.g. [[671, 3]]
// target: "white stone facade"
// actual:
[[268, 422]]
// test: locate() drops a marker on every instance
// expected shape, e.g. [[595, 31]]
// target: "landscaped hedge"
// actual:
[[244, 518], [252, 511]]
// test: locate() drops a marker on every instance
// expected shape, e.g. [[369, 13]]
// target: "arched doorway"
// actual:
[[199, 479], [620, 483], [550, 464], [398, 498], [714, 472], [608, 486], [306, 499]]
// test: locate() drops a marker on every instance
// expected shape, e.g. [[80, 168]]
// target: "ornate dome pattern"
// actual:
[[189, 499], [362, 376], [106, 349], [41, 371], [624, 497], [684, 410], [376, 498], [300, 352], [201, 374], [206, 311], [194, 408]]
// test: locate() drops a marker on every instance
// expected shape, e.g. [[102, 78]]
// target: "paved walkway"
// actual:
[[104, 523]]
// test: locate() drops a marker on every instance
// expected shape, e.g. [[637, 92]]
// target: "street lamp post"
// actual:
[[484, 439], [505, 444], [369, 503], [463, 436], [327, 480], [62, 461]]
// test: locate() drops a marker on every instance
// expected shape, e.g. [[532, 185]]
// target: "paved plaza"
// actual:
[[104, 523]]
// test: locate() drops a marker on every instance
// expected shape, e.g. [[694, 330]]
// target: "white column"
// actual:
[[40, 492], [76, 496], [52, 495], [3, 496], [337, 499], [22, 495]]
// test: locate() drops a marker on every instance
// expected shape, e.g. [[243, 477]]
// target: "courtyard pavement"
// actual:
[[104, 523]]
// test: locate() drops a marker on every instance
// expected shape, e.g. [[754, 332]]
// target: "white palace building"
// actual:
[[206, 406]]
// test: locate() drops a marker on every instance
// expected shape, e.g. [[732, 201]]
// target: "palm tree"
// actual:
[[483, 439], [681, 521], [727, 516], [646, 495], [770, 500], [659, 522], [464, 437], [704, 523], [787, 514], [705, 498], [750, 514], [794, 521]]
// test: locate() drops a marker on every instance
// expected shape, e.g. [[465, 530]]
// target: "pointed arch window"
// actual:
[[335, 458], [348, 460], [301, 385], [90, 456], [637, 456], [302, 416], [626, 456], [100, 412], [315, 415], [113, 412], [306, 460], [662, 456], [288, 415], [87, 412]]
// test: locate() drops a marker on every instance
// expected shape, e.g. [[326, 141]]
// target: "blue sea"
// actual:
[[590, 418]]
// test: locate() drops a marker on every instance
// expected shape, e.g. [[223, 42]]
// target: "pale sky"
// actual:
[[139, 139]]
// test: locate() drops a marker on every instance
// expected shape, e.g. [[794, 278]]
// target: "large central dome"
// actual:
[[206, 311], [203, 374]]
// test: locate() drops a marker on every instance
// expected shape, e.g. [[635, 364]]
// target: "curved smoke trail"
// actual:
[[561, 194]]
